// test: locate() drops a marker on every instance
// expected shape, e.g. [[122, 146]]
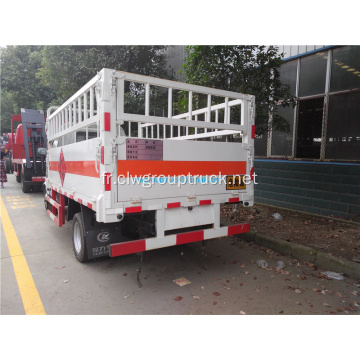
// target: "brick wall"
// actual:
[[319, 188]]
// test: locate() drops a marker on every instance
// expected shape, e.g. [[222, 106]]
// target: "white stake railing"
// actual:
[[77, 112], [82, 108]]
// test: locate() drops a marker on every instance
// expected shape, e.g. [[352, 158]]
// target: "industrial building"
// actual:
[[316, 166]]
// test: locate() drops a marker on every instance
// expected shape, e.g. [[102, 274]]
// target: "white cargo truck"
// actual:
[[139, 177]]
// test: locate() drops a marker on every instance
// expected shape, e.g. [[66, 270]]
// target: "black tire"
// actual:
[[26, 188], [8, 165], [37, 188], [18, 177], [79, 238]]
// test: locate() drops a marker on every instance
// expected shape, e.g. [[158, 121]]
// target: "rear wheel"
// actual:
[[79, 239], [25, 187], [37, 188], [8, 165], [18, 177]]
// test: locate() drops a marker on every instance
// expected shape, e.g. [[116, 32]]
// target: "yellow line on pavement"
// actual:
[[28, 291]]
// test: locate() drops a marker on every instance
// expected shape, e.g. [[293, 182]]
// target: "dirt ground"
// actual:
[[328, 234]]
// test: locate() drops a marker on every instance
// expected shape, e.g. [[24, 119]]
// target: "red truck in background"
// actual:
[[29, 164]]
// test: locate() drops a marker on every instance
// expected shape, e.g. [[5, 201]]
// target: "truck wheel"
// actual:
[[18, 177], [79, 240], [25, 187], [7, 165], [37, 188]]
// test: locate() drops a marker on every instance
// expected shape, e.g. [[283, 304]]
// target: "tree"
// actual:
[[8, 107], [246, 69], [36, 77], [65, 69], [19, 64]]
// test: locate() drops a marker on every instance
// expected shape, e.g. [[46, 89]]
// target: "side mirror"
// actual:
[[42, 151]]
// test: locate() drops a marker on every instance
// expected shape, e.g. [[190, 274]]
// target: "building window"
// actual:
[[288, 75], [310, 118], [281, 143], [260, 144], [343, 130], [313, 74], [345, 69], [338, 117]]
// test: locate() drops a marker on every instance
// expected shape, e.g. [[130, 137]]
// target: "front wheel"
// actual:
[[79, 239]]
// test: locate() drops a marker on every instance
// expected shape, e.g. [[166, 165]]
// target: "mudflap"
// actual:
[[99, 235]]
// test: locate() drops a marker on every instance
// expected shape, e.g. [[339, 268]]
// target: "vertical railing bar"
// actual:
[[85, 106], [226, 112], [91, 102], [170, 91], [170, 103], [190, 110], [216, 117], [70, 115], [79, 110], [147, 99], [74, 112], [208, 117], [66, 118]]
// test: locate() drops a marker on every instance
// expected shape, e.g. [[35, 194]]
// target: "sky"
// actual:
[[187, 22]]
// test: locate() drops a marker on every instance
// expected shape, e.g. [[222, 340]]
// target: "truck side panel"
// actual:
[[74, 169]]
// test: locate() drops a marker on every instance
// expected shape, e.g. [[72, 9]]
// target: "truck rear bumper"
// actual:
[[35, 180], [135, 246]]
